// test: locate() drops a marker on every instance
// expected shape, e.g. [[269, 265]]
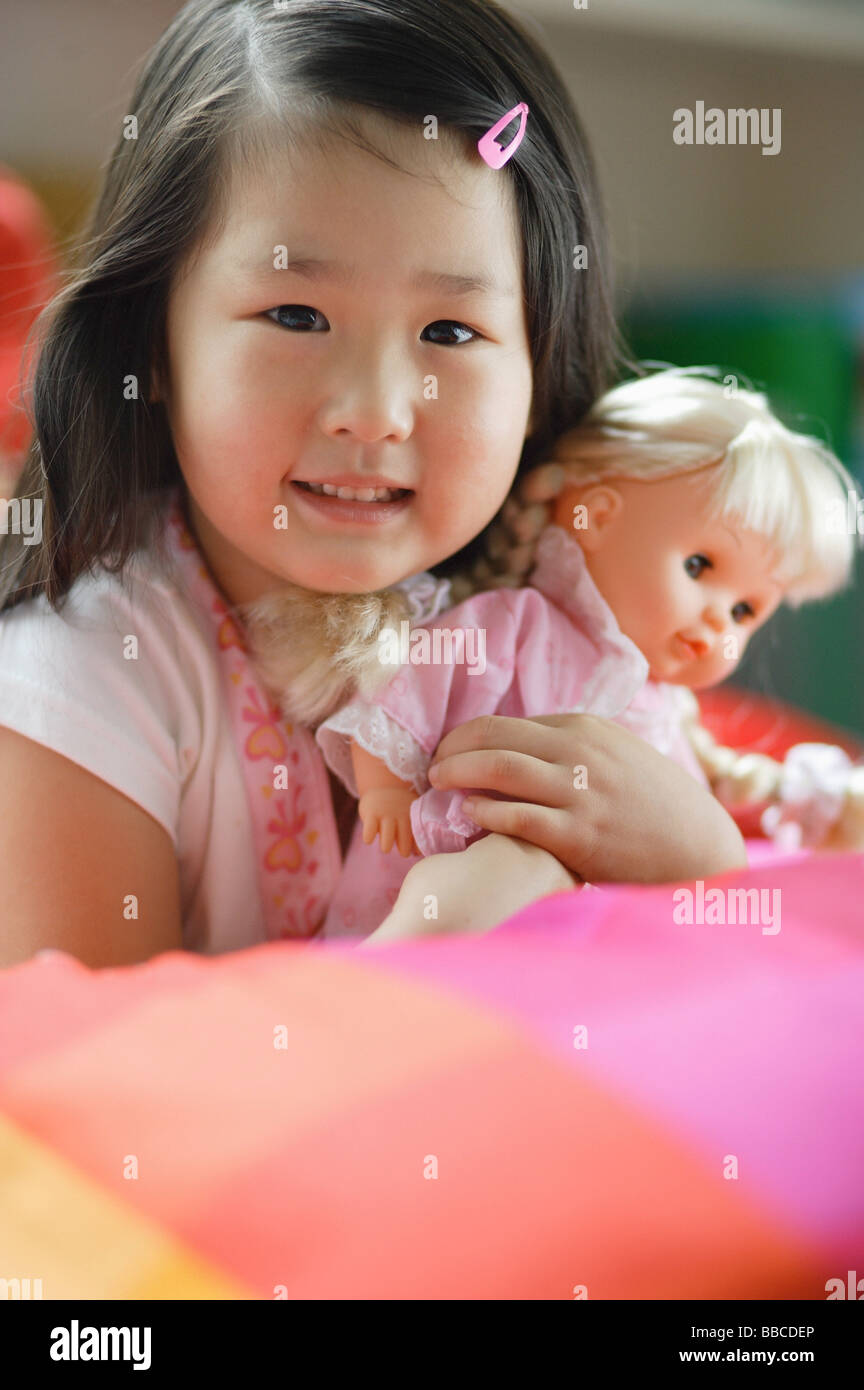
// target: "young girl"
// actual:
[[669, 527], [300, 275]]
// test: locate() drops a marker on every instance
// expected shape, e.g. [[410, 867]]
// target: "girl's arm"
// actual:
[[72, 853], [598, 797], [385, 803]]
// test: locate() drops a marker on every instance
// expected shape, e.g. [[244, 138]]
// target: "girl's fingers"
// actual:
[[552, 830], [537, 738], [513, 774]]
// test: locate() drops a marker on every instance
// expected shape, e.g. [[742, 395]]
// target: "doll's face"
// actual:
[[368, 361], [689, 589]]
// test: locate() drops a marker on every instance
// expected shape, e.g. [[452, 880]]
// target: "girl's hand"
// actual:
[[632, 815], [387, 811]]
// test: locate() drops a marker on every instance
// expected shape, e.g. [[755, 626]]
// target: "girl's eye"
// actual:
[[740, 611], [695, 564], [303, 315], [453, 326]]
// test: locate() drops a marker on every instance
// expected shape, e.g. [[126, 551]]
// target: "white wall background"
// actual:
[[68, 66]]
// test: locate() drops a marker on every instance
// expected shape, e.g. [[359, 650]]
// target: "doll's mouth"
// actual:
[[692, 650]]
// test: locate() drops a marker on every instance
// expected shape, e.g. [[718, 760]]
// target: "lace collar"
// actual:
[[427, 596]]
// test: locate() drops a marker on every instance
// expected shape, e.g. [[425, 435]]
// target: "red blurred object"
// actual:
[[762, 724], [29, 276]]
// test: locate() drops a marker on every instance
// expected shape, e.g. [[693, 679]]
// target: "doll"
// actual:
[[625, 573], [815, 797]]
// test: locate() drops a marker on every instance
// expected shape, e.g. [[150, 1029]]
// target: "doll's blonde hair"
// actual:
[[779, 483]]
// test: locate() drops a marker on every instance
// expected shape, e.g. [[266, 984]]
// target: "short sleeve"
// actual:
[[101, 682]]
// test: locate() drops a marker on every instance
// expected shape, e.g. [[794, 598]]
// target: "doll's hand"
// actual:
[[638, 817], [387, 811]]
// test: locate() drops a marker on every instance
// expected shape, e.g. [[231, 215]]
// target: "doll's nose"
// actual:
[[713, 618]]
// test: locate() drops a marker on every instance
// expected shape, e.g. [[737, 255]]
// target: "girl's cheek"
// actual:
[[467, 485], [449, 521]]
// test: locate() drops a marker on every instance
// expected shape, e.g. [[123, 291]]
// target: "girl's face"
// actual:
[[360, 357]]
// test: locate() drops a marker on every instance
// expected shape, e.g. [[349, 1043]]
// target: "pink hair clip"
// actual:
[[494, 154]]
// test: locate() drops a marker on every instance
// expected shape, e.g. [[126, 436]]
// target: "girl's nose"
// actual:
[[374, 402], [369, 423]]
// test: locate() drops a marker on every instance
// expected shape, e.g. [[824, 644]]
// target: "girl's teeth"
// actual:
[[351, 494]]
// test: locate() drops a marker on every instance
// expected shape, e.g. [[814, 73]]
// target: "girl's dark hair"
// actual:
[[226, 77]]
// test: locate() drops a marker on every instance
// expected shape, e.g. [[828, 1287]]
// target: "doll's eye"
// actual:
[[740, 611], [453, 326], [695, 564], [304, 312]]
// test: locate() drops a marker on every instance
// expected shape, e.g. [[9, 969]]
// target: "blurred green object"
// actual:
[[803, 347]]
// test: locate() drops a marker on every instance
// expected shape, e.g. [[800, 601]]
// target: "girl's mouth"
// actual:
[[372, 505]]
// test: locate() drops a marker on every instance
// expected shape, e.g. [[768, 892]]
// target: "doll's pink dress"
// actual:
[[553, 648]]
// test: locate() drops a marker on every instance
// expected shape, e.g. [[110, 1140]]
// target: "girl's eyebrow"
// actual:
[[316, 268]]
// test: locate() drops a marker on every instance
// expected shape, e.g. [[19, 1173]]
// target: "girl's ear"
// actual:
[[589, 513]]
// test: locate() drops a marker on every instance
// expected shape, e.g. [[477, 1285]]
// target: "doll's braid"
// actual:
[[580, 455], [511, 540], [741, 780]]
